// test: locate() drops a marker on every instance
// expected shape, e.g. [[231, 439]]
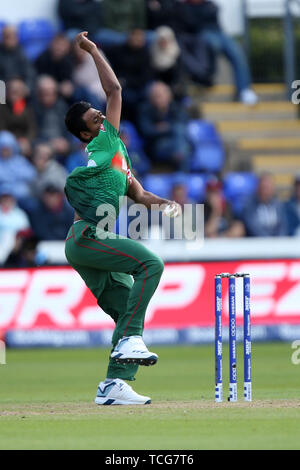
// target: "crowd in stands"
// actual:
[[157, 48]]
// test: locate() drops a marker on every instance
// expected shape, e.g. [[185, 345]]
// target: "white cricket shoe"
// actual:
[[132, 349], [118, 392]]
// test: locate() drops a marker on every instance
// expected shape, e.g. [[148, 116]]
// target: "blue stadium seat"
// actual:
[[35, 36], [134, 143], [202, 131], [238, 187], [208, 158], [2, 24], [128, 128], [196, 187], [160, 184], [208, 154]]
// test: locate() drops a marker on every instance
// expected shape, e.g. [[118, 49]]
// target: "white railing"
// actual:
[[217, 250]]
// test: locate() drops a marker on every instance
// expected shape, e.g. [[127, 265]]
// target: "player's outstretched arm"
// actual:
[[109, 81], [137, 193]]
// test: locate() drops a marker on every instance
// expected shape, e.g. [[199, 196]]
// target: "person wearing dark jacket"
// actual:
[[78, 15], [132, 65], [198, 19], [292, 208], [17, 116], [13, 62], [163, 125], [52, 216], [50, 109], [56, 61], [160, 13], [25, 253]]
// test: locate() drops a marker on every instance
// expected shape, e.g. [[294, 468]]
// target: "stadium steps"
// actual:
[[264, 110], [264, 137], [271, 128], [265, 144], [275, 153], [226, 92], [280, 163]]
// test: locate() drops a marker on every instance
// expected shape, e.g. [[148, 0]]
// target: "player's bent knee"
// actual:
[[156, 266]]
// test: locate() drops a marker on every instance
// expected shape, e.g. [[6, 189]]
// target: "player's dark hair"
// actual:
[[73, 120]]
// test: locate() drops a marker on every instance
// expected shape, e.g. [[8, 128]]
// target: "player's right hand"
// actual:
[[173, 209], [85, 43]]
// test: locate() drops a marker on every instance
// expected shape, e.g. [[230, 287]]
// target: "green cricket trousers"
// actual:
[[106, 265]]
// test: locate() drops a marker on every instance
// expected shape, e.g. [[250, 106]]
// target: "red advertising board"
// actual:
[[57, 298]]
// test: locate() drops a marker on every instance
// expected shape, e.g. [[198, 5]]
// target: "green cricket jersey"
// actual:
[[104, 180]]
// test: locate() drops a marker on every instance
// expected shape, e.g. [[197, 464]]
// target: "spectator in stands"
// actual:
[[140, 162], [52, 216], [160, 13], [292, 208], [200, 18], [77, 156], [80, 15], [25, 253], [166, 60], [264, 214], [119, 18], [50, 112], [85, 76], [56, 61], [16, 173], [12, 218], [49, 171], [17, 115], [131, 63], [218, 217], [13, 63], [163, 125], [184, 225]]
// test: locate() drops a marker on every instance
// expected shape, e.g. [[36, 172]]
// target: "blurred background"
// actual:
[[210, 116]]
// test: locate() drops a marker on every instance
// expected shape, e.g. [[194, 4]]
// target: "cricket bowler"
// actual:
[[121, 273]]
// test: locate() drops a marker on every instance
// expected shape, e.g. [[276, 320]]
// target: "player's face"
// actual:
[[93, 119]]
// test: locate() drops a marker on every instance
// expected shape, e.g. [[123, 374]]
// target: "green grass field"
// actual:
[[46, 402]]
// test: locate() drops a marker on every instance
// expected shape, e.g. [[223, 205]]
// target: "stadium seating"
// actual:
[[196, 187], [35, 36], [238, 187], [2, 24], [161, 184], [208, 151], [134, 144], [130, 129]]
